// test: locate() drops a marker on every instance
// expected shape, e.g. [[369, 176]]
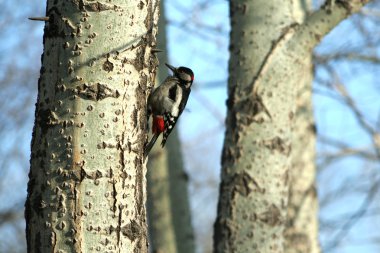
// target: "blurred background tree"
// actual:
[[20, 54], [346, 106]]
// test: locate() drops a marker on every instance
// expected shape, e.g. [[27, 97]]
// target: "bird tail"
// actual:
[[150, 145]]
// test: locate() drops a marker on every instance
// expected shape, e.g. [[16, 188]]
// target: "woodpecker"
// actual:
[[167, 102]]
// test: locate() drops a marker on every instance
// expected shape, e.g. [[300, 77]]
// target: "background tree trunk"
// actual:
[[86, 190], [265, 41], [170, 227], [179, 195], [255, 160]]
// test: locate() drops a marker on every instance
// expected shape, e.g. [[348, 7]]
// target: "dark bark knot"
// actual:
[[278, 144], [249, 110], [108, 66], [96, 92], [58, 26], [89, 175], [46, 119], [244, 184], [132, 230], [272, 216]]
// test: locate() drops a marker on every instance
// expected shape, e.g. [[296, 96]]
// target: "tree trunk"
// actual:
[[170, 228], [86, 188], [268, 53], [179, 195], [160, 219], [302, 223], [301, 234]]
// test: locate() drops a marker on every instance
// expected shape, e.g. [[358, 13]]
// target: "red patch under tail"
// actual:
[[158, 125]]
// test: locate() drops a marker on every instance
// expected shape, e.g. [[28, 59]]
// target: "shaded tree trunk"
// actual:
[[179, 195], [160, 219], [268, 53], [86, 188], [170, 227]]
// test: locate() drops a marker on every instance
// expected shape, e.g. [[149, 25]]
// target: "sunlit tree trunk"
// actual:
[[268, 53], [86, 190], [170, 228], [301, 234]]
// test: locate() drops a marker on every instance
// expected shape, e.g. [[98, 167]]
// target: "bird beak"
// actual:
[[171, 68]]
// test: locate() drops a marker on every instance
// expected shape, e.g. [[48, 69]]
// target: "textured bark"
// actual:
[[301, 234], [268, 53], [170, 228], [255, 161], [302, 223], [86, 190]]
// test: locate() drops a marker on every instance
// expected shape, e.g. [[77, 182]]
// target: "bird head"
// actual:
[[183, 73]]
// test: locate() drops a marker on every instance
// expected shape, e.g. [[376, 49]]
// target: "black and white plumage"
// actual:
[[167, 102]]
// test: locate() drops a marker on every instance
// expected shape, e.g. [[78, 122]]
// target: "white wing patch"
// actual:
[[177, 102]]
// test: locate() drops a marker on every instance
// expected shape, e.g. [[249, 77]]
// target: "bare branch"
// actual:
[[354, 218], [352, 56], [325, 19]]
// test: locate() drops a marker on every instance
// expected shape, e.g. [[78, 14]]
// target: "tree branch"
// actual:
[[321, 22], [353, 56], [355, 217]]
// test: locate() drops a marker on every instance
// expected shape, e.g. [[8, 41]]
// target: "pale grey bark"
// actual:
[[255, 161], [86, 191], [170, 228], [301, 233], [268, 53], [302, 223]]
